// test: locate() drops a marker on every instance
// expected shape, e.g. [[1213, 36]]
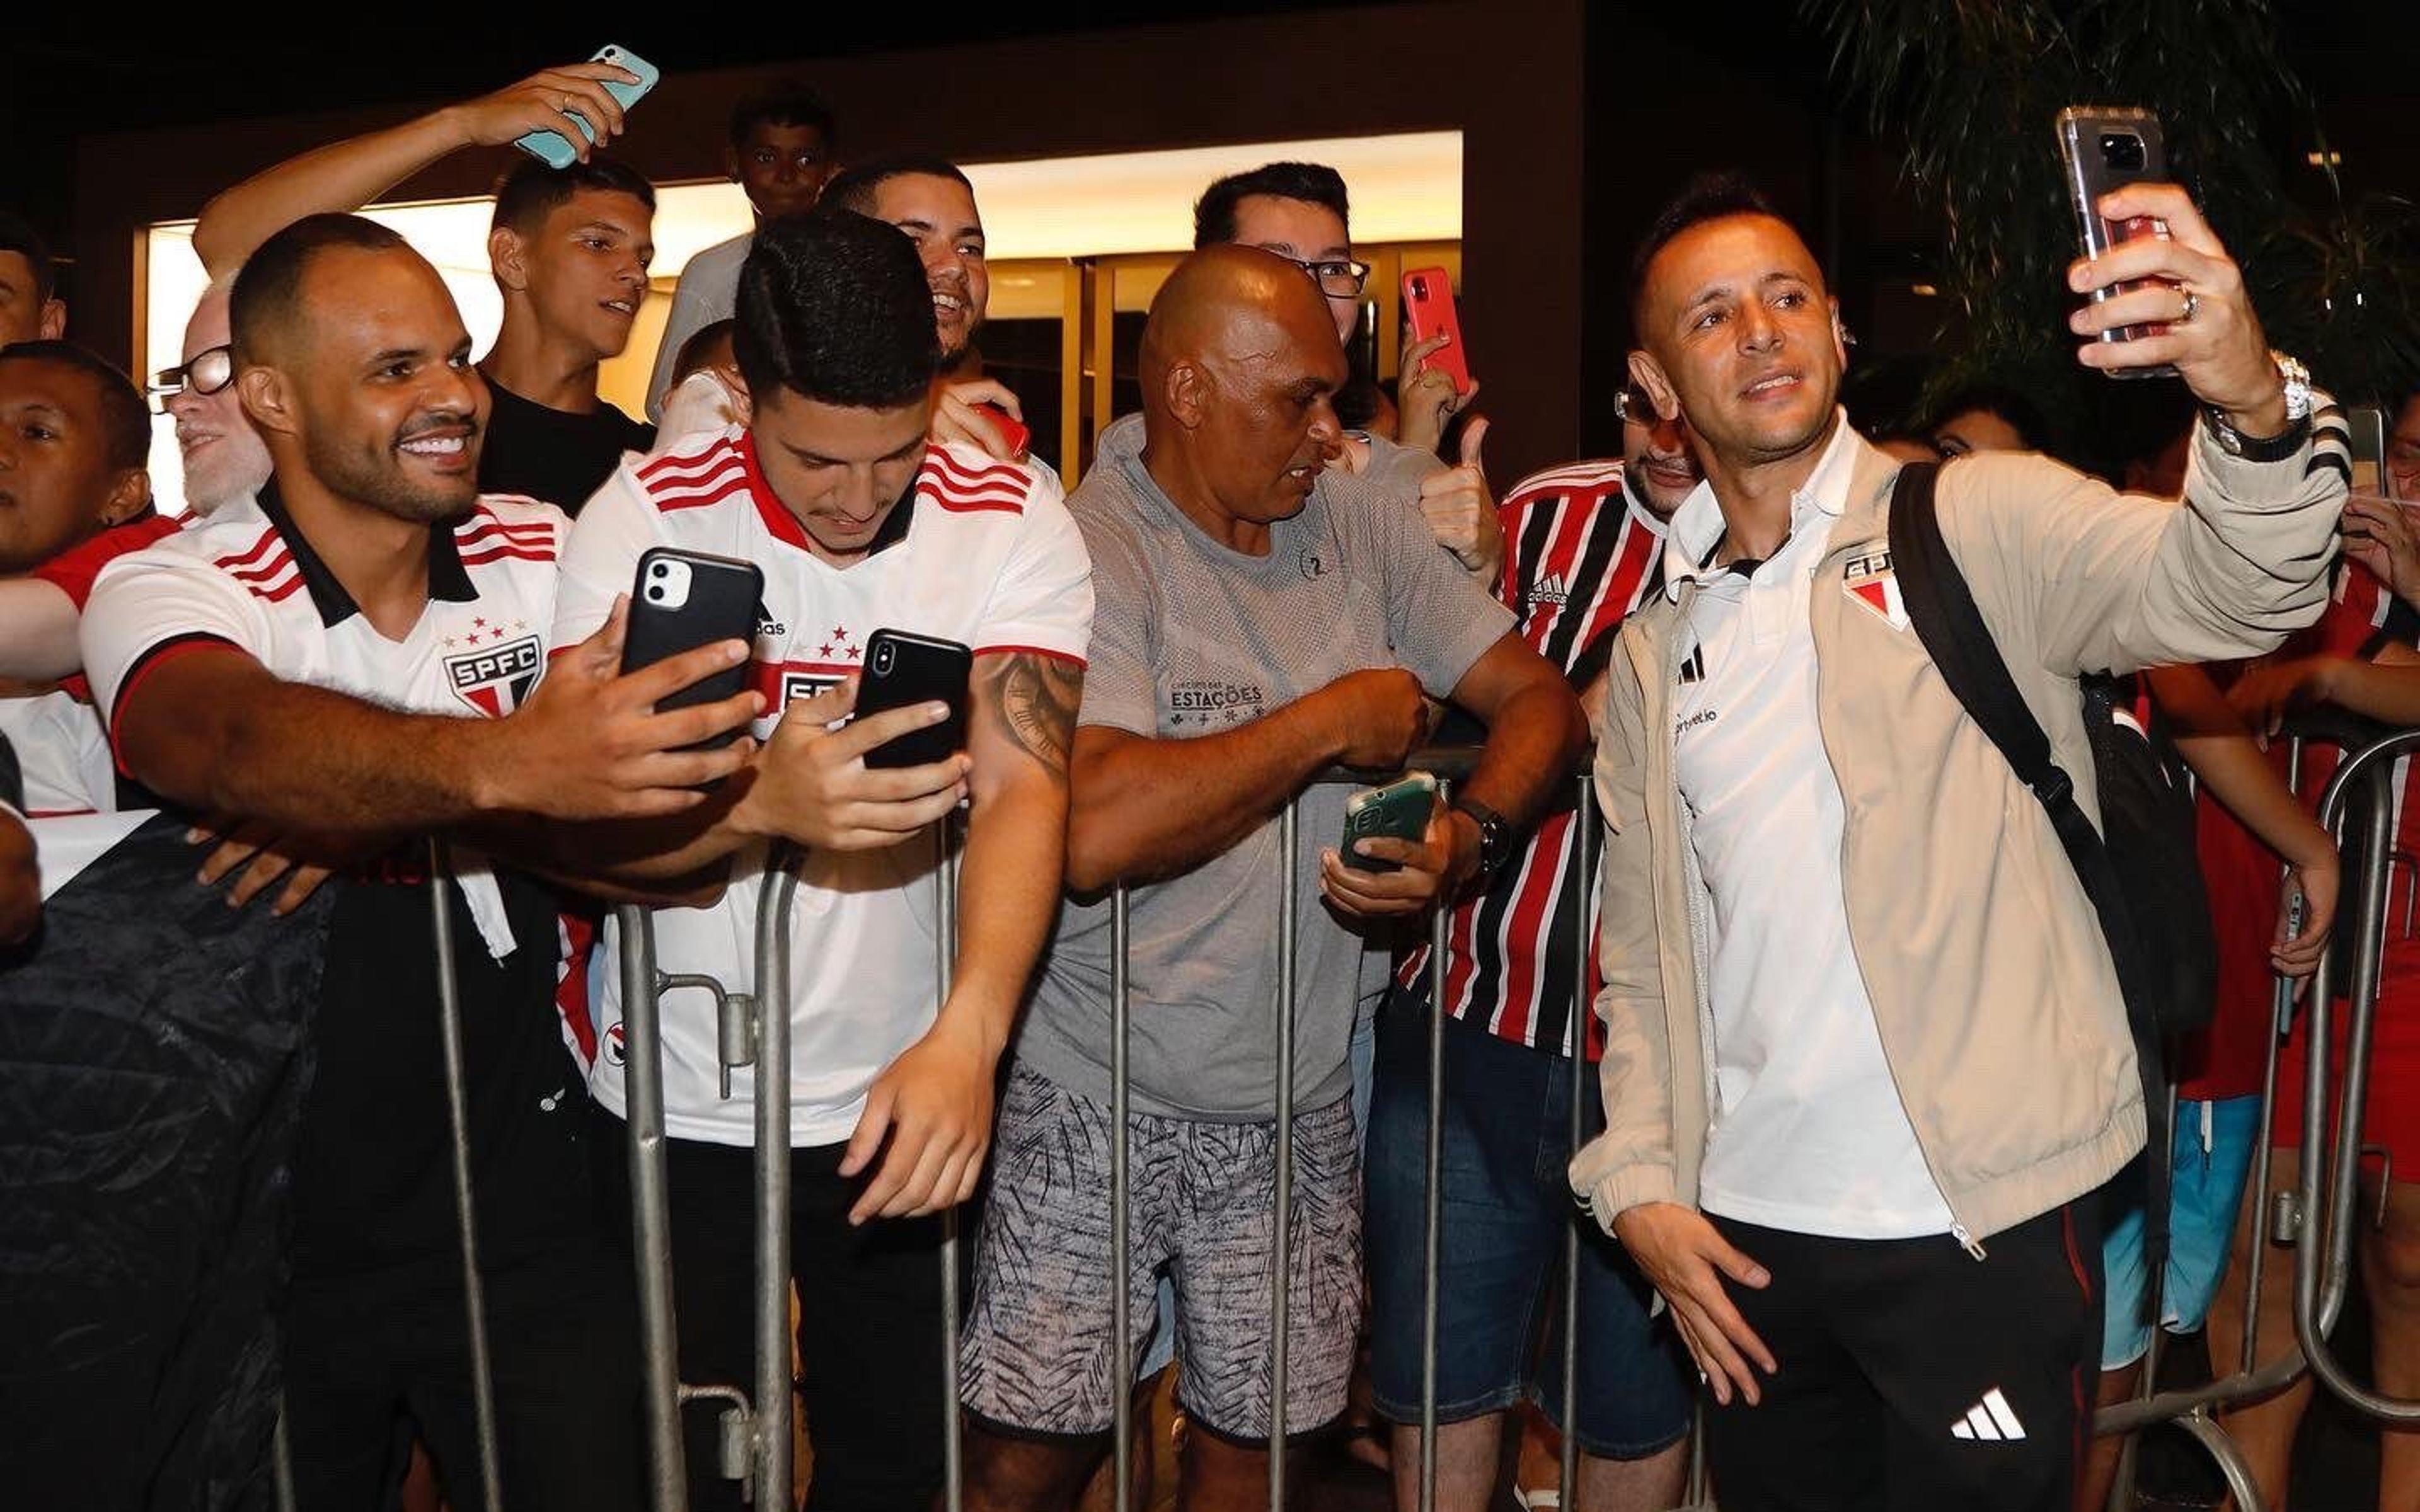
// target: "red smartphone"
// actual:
[[1014, 431], [2103, 147], [1428, 304]]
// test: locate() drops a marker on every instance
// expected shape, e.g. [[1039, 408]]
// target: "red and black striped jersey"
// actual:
[[1579, 554]]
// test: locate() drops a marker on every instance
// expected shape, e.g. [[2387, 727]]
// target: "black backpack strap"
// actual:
[[1942, 608]]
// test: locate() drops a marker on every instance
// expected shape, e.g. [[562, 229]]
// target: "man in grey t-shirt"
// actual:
[[1259, 619]]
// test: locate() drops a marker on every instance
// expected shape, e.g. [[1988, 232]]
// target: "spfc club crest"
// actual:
[[1871, 580], [494, 679]]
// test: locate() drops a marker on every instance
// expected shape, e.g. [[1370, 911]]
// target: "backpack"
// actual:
[[2140, 869]]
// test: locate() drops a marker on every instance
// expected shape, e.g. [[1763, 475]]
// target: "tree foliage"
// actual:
[[1973, 87]]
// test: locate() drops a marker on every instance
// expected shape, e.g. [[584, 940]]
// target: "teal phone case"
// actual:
[[554, 149]]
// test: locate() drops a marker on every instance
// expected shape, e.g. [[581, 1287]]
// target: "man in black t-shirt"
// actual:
[[569, 249]]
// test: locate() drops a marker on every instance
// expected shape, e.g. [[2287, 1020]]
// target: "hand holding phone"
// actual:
[[1428, 305], [681, 600], [2102, 149], [589, 98], [1400, 810], [2187, 297], [817, 784], [902, 669]]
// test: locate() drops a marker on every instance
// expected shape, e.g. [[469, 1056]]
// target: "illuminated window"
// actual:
[[1406, 187]]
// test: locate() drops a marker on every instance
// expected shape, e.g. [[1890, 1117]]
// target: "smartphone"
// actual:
[[682, 600], [1399, 810], [1018, 435], [1428, 304], [552, 147], [902, 669], [2368, 438], [2103, 148]]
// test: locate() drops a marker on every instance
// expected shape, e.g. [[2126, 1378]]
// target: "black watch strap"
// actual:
[[1495, 835], [2257, 448]]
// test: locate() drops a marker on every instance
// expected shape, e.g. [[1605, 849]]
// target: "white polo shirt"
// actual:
[[980, 551], [1808, 1132]]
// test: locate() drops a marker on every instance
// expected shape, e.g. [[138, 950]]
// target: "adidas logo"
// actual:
[[1991, 1420], [1551, 589]]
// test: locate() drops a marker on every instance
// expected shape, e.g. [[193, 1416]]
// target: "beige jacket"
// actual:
[[1992, 986]]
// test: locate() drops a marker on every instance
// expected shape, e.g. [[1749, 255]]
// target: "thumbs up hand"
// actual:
[[1460, 511]]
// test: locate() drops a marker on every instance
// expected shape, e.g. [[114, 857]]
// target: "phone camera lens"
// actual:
[[2122, 151], [882, 659], [658, 569], [654, 596], [1420, 288]]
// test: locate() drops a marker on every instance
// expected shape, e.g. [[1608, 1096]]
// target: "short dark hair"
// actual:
[[1707, 196], [788, 104], [126, 426], [833, 306], [2023, 415], [530, 191], [269, 286], [853, 187], [18, 234], [1315, 183], [693, 353]]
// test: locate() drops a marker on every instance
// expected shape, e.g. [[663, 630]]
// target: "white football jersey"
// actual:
[[61, 752], [980, 551]]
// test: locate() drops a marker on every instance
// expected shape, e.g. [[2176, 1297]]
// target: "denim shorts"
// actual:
[[1508, 1206]]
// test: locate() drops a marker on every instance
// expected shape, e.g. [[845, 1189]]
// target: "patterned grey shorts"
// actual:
[[1037, 1355]]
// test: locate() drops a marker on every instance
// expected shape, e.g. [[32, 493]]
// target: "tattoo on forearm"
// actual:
[[1037, 697]]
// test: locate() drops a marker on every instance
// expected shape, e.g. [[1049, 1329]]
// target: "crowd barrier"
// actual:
[[2360, 793], [758, 1419]]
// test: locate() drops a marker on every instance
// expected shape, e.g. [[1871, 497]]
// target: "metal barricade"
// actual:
[[2328, 1190], [758, 1440], [1450, 766], [755, 1444], [2323, 1256]]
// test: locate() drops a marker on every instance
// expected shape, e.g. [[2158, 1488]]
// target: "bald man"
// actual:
[[353, 661], [1261, 618]]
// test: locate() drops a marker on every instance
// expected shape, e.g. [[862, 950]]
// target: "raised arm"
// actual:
[[2103, 581], [345, 175]]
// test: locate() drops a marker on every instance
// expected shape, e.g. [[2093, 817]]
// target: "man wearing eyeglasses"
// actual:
[[1301, 212]]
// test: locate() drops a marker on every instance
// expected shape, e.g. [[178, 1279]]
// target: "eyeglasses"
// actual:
[[1340, 280], [211, 369], [1632, 403]]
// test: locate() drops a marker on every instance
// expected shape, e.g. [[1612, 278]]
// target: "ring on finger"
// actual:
[[2193, 307]]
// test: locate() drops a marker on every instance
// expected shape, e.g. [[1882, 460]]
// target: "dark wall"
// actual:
[[1509, 75]]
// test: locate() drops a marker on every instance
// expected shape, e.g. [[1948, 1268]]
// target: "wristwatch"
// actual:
[[2297, 419], [1495, 836]]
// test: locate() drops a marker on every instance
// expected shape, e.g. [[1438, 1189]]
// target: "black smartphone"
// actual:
[[2103, 148], [682, 600], [901, 670], [1399, 810]]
